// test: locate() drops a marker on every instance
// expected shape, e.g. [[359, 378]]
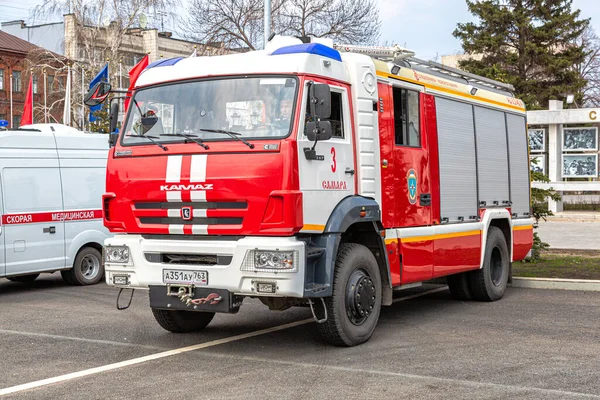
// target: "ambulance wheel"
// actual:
[[23, 278], [459, 286], [353, 309], [179, 321], [489, 282], [87, 268]]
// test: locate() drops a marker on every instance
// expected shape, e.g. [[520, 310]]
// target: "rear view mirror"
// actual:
[[148, 123], [320, 97], [315, 132], [97, 94]]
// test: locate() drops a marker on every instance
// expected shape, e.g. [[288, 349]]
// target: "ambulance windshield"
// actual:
[[255, 107]]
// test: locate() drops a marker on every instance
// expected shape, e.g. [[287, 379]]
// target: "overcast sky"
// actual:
[[424, 26]]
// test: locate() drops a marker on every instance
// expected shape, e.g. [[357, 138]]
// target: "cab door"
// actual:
[[406, 177], [327, 180]]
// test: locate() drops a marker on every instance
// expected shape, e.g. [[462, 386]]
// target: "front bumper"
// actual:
[[142, 274]]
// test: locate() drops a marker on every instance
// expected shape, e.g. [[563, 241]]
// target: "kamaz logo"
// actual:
[[206, 186]]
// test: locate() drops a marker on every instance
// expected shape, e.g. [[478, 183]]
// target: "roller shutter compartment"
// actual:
[[519, 165]]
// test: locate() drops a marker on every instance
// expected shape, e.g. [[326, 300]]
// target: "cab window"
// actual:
[[406, 117]]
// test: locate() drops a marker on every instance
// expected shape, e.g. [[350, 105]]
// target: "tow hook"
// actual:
[[317, 320], [186, 295]]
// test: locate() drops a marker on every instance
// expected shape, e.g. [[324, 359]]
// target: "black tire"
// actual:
[[345, 326], [179, 321], [23, 278], [459, 286], [489, 283], [83, 272]]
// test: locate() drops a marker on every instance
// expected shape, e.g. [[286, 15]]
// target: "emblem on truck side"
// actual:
[[412, 186], [205, 186]]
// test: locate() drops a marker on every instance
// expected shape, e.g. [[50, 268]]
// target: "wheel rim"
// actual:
[[360, 297], [90, 266], [496, 266]]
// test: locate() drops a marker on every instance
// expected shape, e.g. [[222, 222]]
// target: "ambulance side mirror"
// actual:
[[97, 94]]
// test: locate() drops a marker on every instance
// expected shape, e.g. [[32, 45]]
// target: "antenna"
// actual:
[[161, 14]]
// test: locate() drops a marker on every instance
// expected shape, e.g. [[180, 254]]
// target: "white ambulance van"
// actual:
[[52, 178]]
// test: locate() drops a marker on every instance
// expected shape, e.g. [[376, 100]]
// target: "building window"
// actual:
[[406, 117], [34, 81], [16, 121], [17, 87], [1, 79]]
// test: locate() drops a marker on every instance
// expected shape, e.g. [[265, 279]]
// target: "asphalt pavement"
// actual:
[[570, 235], [533, 344]]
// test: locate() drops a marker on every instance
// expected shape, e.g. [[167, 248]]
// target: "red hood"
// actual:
[[227, 190]]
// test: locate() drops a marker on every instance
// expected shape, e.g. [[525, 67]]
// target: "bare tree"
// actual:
[[349, 21], [589, 69], [239, 23]]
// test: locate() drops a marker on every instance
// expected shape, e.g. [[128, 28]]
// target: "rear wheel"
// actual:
[[353, 309], [23, 278], [459, 286], [179, 321], [489, 283], [87, 268]]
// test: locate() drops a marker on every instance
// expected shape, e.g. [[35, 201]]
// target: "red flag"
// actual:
[[133, 75], [27, 118]]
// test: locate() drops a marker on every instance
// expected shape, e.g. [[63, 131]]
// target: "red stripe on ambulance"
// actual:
[[53, 216]]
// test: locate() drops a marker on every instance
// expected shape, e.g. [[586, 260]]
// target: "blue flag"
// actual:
[[101, 77]]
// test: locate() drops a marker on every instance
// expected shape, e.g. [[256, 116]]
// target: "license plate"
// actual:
[[199, 278]]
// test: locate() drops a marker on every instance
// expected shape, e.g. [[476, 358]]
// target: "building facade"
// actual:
[[14, 80]]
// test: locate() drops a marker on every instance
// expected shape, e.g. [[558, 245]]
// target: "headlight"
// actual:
[[271, 260], [117, 254]]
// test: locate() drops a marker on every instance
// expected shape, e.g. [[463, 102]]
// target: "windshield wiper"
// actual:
[[151, 138], [234, 135], [193, 138]]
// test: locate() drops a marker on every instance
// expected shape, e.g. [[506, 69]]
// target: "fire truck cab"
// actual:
[[308, 174]]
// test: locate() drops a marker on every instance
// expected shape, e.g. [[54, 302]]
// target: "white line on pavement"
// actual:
[[77, 339], [156, 356]]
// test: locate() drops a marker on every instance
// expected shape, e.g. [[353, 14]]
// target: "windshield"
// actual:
[[255, 108]]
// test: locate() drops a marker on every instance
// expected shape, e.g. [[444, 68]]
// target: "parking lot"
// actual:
[[532, 344]]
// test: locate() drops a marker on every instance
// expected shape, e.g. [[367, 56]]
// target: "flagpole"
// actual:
[[82, 97], [45, 99], [11, 102], [31, 80]]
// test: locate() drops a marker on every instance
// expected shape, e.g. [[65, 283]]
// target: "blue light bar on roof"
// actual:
[[311, 48], [164, 63]]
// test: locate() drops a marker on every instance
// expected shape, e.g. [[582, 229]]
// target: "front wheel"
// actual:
[[180, 321], [353, 309]]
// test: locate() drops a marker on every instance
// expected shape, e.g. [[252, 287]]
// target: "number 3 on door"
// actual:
[[333, 162]]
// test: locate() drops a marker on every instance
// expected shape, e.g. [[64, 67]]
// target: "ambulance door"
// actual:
[[329, 178], [33, 229], [2, 234], [408, 167]]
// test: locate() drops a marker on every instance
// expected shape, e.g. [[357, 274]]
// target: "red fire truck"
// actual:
[[308, 174]]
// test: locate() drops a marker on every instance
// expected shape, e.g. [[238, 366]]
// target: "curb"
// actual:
[[557, 283]]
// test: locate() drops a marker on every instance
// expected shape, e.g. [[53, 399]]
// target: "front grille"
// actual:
[[188, 259], [221, 205], [193, 221]]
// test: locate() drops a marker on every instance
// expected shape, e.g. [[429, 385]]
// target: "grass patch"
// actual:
[[569, 265]]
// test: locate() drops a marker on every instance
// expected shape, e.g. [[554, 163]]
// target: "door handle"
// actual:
[[349, 171], [50, 230], [425, 199]]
